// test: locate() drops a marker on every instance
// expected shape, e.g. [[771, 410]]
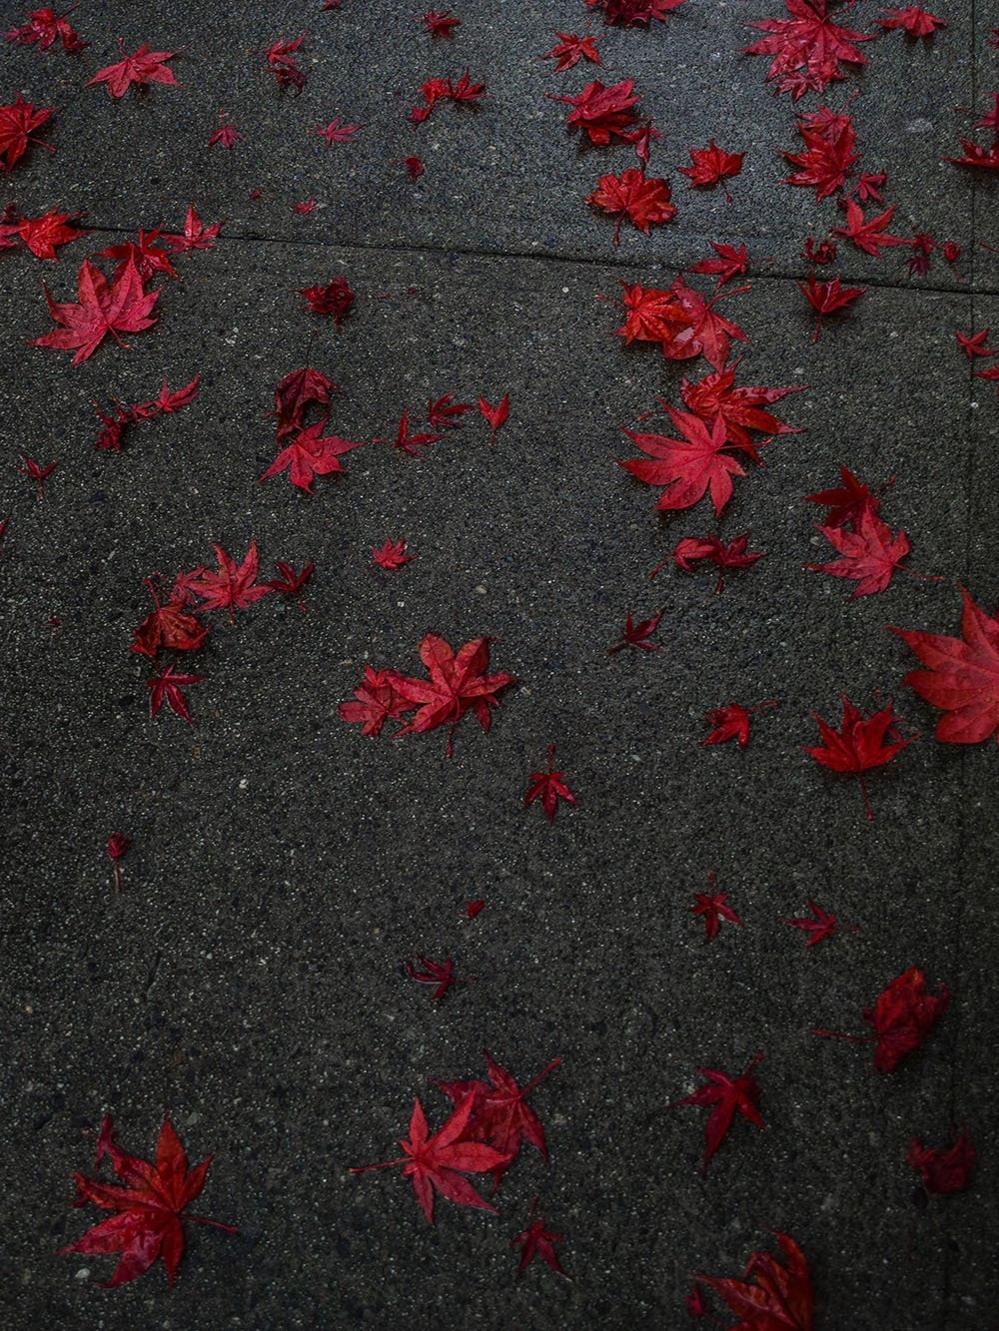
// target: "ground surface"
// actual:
[[248, 976]]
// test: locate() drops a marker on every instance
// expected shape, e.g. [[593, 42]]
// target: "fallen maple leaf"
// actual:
[[148, 256], [712, 906], [458, 683], [474, 908], [391, 555], [495, 417], [913, 21], [870, 553], [771, 1296], [711, 165], [142, 67], [281, 62], [689, 467], [168, 626], [819, 926], [336, 299], [410, 444], [336, 131], [414, 167], [827, 297], [462, 91], [226, 135], [167, 687], [445, 413], [149, 1211], [973, 154], [37, 472], [943, 1170], [644, 202], [867, 235], [570, 49], [42, 27], [630, 13], [43, 235], [638, 635], [438, 973], [196, 235], [290, 583], [100, 309], [726, 1096], [603, 112], [293, 396], [732, 722], [962, 675], [376, 700], [548, 787], [537, 1241], [859, 745], [830, 140], [846, 503], [232, 587], [902, 1017], [309, 454], [731, 261], [116, 846], [439, 23], [973, 344], [19, 121], [742, 408], [809, 50], [438, 1163]]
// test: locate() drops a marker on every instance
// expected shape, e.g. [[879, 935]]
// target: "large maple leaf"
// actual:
[[101, 309], [644, 202], [687, 468], [139, 69], [149, 1210], [439, 1163], [603, 112], [458, 683], [859, 745], [742, 408], [962, 675], [310, 454], [771, 1296], [870, 552], [18, 122], [232, 587], [809, 50]]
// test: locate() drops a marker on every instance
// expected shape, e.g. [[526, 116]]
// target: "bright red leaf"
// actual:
[[141, 68], [232, 586], [638, 635], [225, 136], [43, 27], [725, 1096], [537, 1241], [439, 23], [495, 416], [549, 787], [912, 20], [870, 552], [309, 454], [711, 165], [168, 626], [410, 444], [689, 467], [336, 131], [603, 112], [859, 745], [19, 121], [282, 63], [809, 50], [37, 472], [335, 299], [100, 310], [827, 297], [714, 908], [631, 13], [391, 555], [167, 687], [632, 194], [772, 1295], [570, 49], [196, 235]]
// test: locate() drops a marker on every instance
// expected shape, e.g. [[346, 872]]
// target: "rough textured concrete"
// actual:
[[248, 976]]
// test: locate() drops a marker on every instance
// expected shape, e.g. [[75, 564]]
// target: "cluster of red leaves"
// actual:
[[283, 65], [681, 320], [305, 451], [483, 1135], [123, 415], [632, 13], [973, 154], [458, 682], [42, 28], [462, 91], [148, 1212]]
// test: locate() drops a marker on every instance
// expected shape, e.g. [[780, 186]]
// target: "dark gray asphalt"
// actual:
[[248, 976]]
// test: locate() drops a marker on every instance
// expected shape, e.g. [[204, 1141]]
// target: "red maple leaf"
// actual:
[[439, 23], [829, 154], [974, 344], [827, 297], [148, 256], [42, 27], [375, 701], [711, 165], [293, 396], [336, 299], [19, 121], [232, 587], [644, 202], [974, 154], [458, 683], [819, 926], [537, 1241], [225, 136], [115, 847], [139, 69], [902, 1017], [859, 745], [630, 13], [43, 235], [495, 416], [410, 444], [867, 235], [391, 555], [463, 91], [37, 472], [168, 626], [731, 261], [712, 906], [962, 675], [439, 1163], [638, 635], [149, 1211], [167, 687], [913, 21], [741, 408], [570, 49], [100, 309], [771, 1296], [847, 502], [725, 1096], [336, 131], [732, 722], [196, 235], [445, 413], [809, 50], [943, 1170], [548, 787], [689, 467], [438, 973], [705, 332], [603, 112], [501, 1115], [310, 454], [651, 315], [291, 583], [281, 62], [870, 553]]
